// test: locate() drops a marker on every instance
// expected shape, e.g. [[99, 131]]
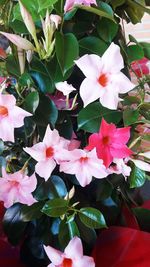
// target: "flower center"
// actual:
[[49, 152], [103, 80], [83, 159], [67, 263], [106, 140], [3, 111], [14, 183]]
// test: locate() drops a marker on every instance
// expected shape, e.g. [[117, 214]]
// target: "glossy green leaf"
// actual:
[[53, 188], [55, 207], [46, 112], [98, 11], [106, 30], [12, 66], [92, 44], [137, 177], [146, 48], [90, 117], [31, 102], [130, 116], [73, 229], [63, 235], [29, 213], [143, 218], [67, 50], [117, 3], [92, 218], [134, 52]]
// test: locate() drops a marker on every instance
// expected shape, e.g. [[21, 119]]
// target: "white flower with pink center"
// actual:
[[70, 4], [11, 117], [48, 153], [84, 165], [72, 256], [104, 79], [17, 187]]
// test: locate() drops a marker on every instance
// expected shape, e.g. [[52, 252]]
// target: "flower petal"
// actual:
[[120, 151], [54, 255], [74, 249], [90, 65], [112, 59], [37, 151], [45, 168], [17, 116], [122, 83], [85, 261], [6, 130], [144, 166], [90, 91]]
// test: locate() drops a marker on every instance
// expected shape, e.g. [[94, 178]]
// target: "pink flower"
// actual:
[[72, 256], [104, 80], [60, 101], [17, 187], [48, 153], [11, 117], [70, 3], [110, 142], [84, 165], [55, 19], [141, 67], [65, 88], [120, 167]]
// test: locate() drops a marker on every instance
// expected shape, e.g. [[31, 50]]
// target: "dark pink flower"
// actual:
[[141, 67], [110, 142]]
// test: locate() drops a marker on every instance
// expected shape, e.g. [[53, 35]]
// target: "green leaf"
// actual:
[[46, 112], [146, 48], [130, 116], [73, 229], [53, 188], [2, 147], [41, 76], [45, 4], [29, 213], [98, 11], [129, 100], [64, 125], [63, 235], [143, 218], [55, 207], [106, 30], [12, 66], [134, 52], [31, 102], [13, 225], [92, 218], [87, 234], [89, 118], [117, 3], [137, 177], [67, 50], [92, 44]]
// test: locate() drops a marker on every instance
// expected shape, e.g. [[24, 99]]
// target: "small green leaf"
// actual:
[[92, 44], [106, 30], [31, 102], [46, 112], [55, 207], [146, 48], [67, 50], [134, 52], [130, 116], [29, 213], [137, 177], [89, 118], [92, 218], [73, 229]]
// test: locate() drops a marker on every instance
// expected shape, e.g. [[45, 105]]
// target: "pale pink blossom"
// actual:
[[65, 88], [104, 79], [17, 187], [74, 143], [48, 153], [69, 4], [84, 165], [119, 167], [11, 117], [71, 257]]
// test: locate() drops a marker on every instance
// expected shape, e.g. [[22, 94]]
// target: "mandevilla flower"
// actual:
[[17, 187], [104, 80], [110, 142], [141, 67], [84, 165], [72, 256], [70, 3], [48, 153], [65, 88], [11, 117]]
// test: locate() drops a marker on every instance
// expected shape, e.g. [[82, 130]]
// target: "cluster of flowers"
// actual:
[[106, 152]]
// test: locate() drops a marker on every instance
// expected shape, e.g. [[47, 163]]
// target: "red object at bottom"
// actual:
[[122, 247]]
